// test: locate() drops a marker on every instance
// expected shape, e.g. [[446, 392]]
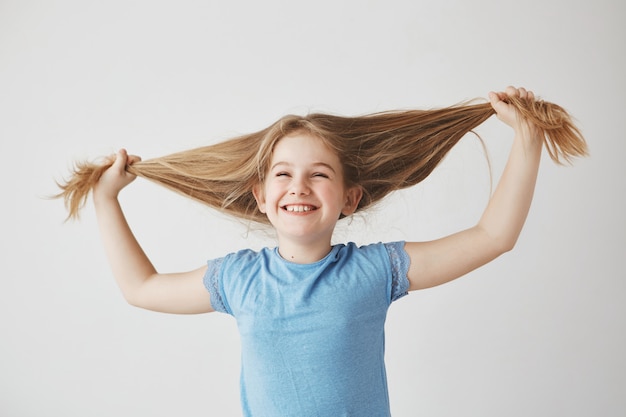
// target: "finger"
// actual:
[[511, 91], [120, 160], [497, 96], [493, 97], [132, 159], [497, 101], [522, 92]]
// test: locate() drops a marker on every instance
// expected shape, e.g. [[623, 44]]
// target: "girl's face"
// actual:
[[304, 192]]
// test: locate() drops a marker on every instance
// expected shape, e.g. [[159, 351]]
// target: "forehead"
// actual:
[[304, 148]]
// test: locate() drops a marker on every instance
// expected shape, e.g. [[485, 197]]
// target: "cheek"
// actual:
[[333, 194], [271, 193], [270, 190]]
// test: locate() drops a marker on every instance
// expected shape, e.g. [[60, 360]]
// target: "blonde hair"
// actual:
[[380, 152]]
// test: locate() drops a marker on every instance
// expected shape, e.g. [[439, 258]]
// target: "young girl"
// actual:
[[311, 315]]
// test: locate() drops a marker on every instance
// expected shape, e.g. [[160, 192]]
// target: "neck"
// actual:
[[303, 254]]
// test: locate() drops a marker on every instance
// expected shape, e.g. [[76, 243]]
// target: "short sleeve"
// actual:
[[212, 283], [400, 262]]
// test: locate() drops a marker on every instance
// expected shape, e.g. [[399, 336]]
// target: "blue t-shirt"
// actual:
[[312, 335]]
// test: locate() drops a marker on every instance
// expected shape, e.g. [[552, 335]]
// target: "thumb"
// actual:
[[504, 110], [497, 102], [121, 160]]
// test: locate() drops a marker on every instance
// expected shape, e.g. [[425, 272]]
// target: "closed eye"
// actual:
[[320, 174]]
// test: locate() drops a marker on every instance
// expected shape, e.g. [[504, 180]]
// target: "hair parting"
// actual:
[[381, 152]]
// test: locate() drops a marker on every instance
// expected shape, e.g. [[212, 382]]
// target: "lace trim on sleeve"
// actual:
[[399, 269], [212, 284]]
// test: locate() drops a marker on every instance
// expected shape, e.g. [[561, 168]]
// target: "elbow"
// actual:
[[499, 241], [132, 298], [135, 292], [498, 244], [504, 245]]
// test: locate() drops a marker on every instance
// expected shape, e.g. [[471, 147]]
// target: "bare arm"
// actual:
[[442, 260], [139, 281]]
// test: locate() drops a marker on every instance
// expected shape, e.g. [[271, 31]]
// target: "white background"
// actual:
[[540, 331]]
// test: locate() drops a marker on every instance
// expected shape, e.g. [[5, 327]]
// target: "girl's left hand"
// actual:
[[507, 112]]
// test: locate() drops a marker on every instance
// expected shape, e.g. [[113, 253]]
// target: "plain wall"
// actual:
[[540, 331]]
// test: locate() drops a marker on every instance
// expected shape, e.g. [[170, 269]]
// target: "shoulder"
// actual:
[[377, 260], [379, 249], [243, 258], [237, 261], [230, 271], [378, 255]]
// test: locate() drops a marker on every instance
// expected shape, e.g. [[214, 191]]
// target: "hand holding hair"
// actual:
[[117, 176], [505, 111], [510, 115], [381, 152], [562, 139]]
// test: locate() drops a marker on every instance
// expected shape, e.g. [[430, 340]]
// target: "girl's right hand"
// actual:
[[116, 176]]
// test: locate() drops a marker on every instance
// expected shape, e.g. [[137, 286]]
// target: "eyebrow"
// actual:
[[314, 164]]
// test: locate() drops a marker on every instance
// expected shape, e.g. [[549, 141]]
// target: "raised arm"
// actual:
[[442, 260], [139, 281]]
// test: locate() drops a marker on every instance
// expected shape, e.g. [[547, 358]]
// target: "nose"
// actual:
[[299, 186]]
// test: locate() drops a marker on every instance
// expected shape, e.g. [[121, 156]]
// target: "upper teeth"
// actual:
[[298, 208]]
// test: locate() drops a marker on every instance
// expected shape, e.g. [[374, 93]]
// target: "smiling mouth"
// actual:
[[299, 208]]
